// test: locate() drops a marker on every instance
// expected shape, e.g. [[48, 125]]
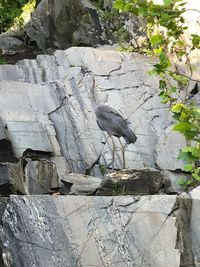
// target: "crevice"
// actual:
[[61, 101], [6, 152], [184, 237], [195, 90], [3, 205], [36, 154]]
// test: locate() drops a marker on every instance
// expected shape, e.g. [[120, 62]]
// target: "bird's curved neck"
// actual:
[[92, 94]]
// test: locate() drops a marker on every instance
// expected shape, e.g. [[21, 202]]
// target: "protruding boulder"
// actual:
[[131, 182], [40, 177], [80, 184]]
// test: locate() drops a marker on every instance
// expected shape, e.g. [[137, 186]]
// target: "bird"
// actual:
[[111, 121]]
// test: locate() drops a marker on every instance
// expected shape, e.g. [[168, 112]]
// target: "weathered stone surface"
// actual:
[[9, 72], [81, 184], [40, 177], [16, 177], [28, 177], [11, 179], [56, 28], [21, 133], [195, 225], [27, 124], [6, 150], [47, 108], [61, 24], [171, 181], [92, 231], [168, 148], [3, 174], [2, 131], [9, 42], [131, 182]]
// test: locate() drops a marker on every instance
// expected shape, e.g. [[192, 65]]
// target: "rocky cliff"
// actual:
[[100, 231], [46, 113], [64, 201], [50, 139]]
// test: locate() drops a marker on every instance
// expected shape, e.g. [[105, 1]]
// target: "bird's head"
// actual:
[[86, 72], [87, 75]]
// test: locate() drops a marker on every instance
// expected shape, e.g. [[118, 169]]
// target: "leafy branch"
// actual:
[[165, 28]]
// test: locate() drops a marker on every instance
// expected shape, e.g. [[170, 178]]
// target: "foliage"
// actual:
[[165, 27], [98, 3], [115, 25], [27, 9], [102, 169], [9, 11], [2, 60]]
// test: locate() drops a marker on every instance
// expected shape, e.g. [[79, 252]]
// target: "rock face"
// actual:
[[79, 184], [96, 231], [195, 227], [131, 182], [63, 23], [46, 112], [53, 22], [9, 42], [48, 129]]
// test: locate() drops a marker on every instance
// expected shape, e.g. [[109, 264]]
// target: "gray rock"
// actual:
[[2, 130], [6, 149], [9, 72], [61, 24], [28, 177], [195, 226], [47, 108], [11, 179], [101, 231], [3, 174], [168, 148], [40, 177], [9, 43], [21, 133], [171, 181], [81, 184], [131, 182], [56, 28]]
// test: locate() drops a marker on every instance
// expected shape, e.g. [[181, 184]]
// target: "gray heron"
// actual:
[[111, 121]]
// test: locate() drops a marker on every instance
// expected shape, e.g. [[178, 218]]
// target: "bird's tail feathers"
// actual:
[[129, 136]]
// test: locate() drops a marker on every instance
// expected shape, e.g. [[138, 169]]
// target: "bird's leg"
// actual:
[[113, 152], [123, 153]]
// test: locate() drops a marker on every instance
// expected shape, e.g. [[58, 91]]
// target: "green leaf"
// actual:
[[165, 98], [196, 113], [143, 11], [182, 4], [186, 156], [196, 175], [173, 89], [119, 4], [162, 84], [152, 72], [177, 108], [196, 40], [193, 150], [164, 60], [157, 51], [167, 2], [183, 117], [183, 127], [156, 40], [188, 167], [184, 182]]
